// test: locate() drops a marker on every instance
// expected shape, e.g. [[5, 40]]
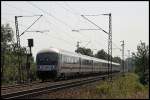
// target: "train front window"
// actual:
[[47, 58]]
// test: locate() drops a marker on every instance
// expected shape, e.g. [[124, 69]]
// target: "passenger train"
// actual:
[[56, 63]]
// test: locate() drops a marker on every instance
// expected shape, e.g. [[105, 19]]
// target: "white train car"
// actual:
[[54, 63]]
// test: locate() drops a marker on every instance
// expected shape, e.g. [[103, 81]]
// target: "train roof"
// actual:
[[56, 50]]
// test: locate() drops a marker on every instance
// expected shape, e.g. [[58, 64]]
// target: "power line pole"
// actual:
[[132, 62], [109, 38], [18, 47], [128, 60], [123, 56], [78, 45], [142, 43], [18, 43], [110, 46]]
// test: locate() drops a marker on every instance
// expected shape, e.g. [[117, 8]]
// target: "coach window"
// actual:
[[99, 64], [67, 60], [90, 62], [74, 60], [77, 60], [95, 63], [103, 64], [70, 60], [64, 59], [84, 62]]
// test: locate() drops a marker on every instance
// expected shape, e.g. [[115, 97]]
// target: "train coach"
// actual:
[[56, 63]]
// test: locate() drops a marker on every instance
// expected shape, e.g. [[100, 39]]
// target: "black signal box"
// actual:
[[30, 42]]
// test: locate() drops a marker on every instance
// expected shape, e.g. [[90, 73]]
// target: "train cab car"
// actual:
[[55, 63], [47, 62]]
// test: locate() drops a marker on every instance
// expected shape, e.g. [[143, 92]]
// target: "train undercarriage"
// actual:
[[53, 75]]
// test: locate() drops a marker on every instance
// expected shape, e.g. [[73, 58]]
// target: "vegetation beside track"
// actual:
[[122, 87], [9, 59], [126, 87]]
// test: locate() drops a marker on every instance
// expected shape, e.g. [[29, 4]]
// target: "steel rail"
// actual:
[[52, 87], [19, 85]]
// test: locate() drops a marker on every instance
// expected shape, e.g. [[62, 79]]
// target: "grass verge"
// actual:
[[123, 87]]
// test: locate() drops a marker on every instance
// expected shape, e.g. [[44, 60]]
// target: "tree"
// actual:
[[85, 51], [141, 59], [101, 54], [6, 34], [117, 59], [9, 60], [6, 38]]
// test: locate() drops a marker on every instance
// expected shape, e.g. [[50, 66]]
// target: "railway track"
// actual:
[[18, 85], [49, 87]]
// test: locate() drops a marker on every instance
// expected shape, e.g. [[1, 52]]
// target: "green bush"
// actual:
[[105, 88], [122, 87], [139, 87]]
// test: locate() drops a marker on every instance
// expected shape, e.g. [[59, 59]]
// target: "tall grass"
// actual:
[[122, 87]]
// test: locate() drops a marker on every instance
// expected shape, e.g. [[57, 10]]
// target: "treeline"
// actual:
[[101, 54], [9, 60], [138, 62]]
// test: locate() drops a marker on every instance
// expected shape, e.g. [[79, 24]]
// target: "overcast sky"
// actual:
[[130, 22]]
